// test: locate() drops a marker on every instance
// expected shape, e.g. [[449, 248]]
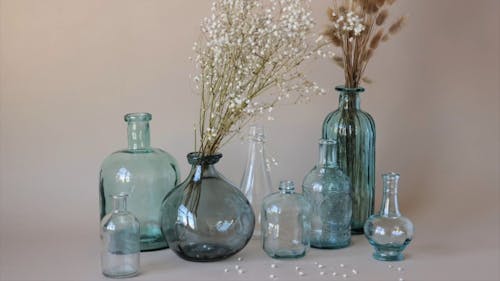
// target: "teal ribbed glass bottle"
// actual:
[[146, 174], [354, 132]]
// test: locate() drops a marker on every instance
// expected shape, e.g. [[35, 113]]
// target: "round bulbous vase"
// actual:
[[206, 218]]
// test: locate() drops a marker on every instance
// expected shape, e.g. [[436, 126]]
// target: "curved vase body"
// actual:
[[206, 218]]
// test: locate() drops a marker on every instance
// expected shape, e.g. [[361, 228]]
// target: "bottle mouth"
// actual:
[[196, 158], [344, 89], [138, 116], [287, 185], [391, 176]]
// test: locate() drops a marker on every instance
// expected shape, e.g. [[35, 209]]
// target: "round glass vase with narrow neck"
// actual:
[[206, 218], [328, 190], [389, 232], [354, 132], [145, 173]]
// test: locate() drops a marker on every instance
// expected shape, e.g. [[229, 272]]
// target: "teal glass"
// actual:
[[206, 218], [354, 132], [120, 241], [146, 174], [286, 223], [328, 190], [389, 232]]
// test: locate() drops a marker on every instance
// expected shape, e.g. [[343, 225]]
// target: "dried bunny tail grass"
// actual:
[[367, 80], [379, 3], [385, 38], [397, 25], [367, 55], [376, 39], [382, 16]]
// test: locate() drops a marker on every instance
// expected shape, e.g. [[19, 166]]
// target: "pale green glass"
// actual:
[[354, 132], [146, 174]]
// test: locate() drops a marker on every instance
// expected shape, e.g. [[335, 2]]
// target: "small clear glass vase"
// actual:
[[206, 218], [286, 223], [256, 182], [389, 232], [354, 131], [328, 190], [120, 241]]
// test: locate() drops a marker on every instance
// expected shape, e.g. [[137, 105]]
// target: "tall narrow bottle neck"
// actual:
[[119, 203], [327, 153], [390, 206], [138, 135], [349, 100]]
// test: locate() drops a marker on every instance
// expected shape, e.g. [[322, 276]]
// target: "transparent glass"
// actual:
[[146, 174], [354, 132], [206, 218], [256, 182], [286, 223], [120, 241], [328, 190], [389, 232]]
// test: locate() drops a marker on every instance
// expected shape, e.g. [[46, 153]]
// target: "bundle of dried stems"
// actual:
[[358, 27]]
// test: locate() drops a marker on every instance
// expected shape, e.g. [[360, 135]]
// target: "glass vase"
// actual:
[[389, 232], [256, 181], [354, 132], [286, 223], [206, 218], [120, 241], [146, 174], [328, 190]]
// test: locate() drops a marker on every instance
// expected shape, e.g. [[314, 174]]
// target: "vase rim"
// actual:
[[138, 116], [344, 89], [197, 158]]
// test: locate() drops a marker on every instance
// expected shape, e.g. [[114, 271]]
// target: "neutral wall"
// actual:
[[70, 70]]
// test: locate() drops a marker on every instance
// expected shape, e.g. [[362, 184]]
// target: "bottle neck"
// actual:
[[138, 135], [287, 187], [119, 203], [349, 100], [327, 154], [390, 206]]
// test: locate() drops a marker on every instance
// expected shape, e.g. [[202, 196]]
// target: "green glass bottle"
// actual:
[[146, 174], [354, 132]]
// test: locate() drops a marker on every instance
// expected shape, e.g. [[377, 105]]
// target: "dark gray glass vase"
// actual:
[[354, 132], [206, 218], [146, 174]]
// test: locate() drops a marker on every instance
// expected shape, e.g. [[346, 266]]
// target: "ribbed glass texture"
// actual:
[[146, 174], [328, 190], [206, 218], [389, 232], [354, 132], [286, 223]]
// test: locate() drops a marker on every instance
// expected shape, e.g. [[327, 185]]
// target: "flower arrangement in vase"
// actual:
[[357, 28], [248, 61]]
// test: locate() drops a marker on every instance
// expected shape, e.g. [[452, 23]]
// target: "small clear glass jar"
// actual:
[[120, 241], [389, 232], [285, 223]]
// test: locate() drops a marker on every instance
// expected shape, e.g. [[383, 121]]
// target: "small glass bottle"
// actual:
[[120, 238], [328, 190], [389, 232], [256, 181], [285, 223]]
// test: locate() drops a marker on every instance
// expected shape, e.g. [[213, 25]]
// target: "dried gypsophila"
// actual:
[[248, 62], [358, 27]]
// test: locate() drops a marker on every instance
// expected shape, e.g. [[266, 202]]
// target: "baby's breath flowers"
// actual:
[[248, 60], [358, 27]]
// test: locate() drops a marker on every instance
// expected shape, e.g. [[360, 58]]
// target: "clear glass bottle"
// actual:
[[286, 223], [120, 241], [328, 190], [206, 218], [389, 232], [354, 131], [256, 182], [146, 174]]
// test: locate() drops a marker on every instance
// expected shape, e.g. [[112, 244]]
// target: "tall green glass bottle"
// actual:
[[146, 174], [354, 132]]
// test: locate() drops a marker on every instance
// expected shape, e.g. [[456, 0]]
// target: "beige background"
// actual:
[[69, 71]]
